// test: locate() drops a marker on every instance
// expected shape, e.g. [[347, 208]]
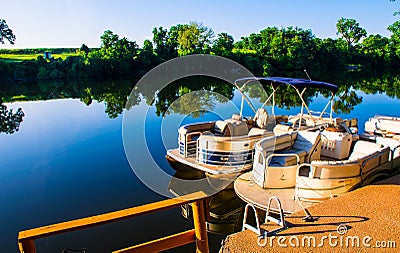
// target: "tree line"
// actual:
[[271, 51]]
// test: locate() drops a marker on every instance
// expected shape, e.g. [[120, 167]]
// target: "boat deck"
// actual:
[[363, 213], [250, 192], [214, 170]]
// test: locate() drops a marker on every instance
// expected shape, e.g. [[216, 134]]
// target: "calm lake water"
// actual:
[[67, 161]]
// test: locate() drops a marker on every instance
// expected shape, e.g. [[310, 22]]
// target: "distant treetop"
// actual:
[[6, 33]]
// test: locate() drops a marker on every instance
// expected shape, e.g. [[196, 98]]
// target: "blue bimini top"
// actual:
[[295, 82]]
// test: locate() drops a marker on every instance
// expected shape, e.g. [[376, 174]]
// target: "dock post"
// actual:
[[199, 220], [27, 246]]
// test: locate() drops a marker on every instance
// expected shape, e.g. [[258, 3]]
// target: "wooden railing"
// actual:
[[26, 239]]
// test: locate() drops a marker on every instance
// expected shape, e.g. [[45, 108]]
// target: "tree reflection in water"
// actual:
[[9, 121], [114, 94]]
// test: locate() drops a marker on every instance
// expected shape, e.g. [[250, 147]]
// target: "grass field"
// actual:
[[23, 57]]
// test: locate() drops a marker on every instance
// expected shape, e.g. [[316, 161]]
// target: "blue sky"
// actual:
[[70, 23]]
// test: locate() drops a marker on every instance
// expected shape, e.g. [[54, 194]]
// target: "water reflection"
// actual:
[[67, 160], [225, 209], [9, 121], [115, 93]]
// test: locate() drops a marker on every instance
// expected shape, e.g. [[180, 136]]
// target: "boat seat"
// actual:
[[254, 131], [334, 169], [309, 142], [236, 117], [392, 143], [281, 119], [230, 127], [365, 153], [307, 146], [385, 124], [364, 148], [370, 154], [261, 118], [282, 128], [277, 142]]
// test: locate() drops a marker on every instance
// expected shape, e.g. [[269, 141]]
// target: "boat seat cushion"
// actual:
[[288, 160], [364, 148], [306, 140], [230, 128], [278, 142], [282, 128], [310, 142], [392, 143], [261, 118], [258, 131]]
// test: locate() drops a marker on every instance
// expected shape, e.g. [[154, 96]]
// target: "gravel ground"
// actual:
[[368, 218]]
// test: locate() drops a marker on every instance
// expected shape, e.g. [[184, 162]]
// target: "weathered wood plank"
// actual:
[[36, 233]]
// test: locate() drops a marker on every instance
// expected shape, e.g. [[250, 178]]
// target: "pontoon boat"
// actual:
[[227, 146], [370, 158]]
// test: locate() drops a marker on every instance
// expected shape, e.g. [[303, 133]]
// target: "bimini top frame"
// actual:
[[299, 84]]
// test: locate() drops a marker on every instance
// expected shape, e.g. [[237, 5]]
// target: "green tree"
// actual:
[[395, 29], [166, 42], [394, 43], [115, 57], [112, 47], [147, 58], [160, 38], [172, 41], [330, 54], [286, 48], [6, 33], [85, 49], [376, 49], [350, 30], [194, 38], [223, 45]]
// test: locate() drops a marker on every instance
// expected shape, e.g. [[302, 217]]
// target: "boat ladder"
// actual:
[[268, 218]]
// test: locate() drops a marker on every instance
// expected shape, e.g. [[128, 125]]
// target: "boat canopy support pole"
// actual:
[[244, 97], [330, 102], [273, 100], [305, 105]]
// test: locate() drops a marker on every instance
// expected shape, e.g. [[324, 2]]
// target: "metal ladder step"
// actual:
[[268, 218]]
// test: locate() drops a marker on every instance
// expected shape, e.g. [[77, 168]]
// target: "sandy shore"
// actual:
[[368, 218]]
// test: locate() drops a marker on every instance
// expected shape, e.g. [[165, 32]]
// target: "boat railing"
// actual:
[[269, 158], [190, 145], [311, 172], [375, 156], [26, 239], [394, 158], [394, 151]]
